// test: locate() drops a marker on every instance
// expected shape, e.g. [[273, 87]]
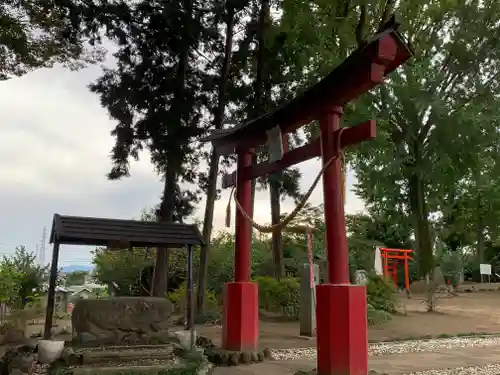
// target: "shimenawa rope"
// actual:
[[300, 205]]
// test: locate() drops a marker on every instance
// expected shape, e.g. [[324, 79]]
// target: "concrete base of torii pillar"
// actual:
[[240, 317], [342, 332], [342, 338]]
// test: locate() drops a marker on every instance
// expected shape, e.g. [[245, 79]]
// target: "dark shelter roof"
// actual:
[[75, 230], [336, 88]]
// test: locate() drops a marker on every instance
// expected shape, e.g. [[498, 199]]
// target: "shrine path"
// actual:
[[391, 364]]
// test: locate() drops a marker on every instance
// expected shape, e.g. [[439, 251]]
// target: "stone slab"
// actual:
[[122, 320], [308, 300]]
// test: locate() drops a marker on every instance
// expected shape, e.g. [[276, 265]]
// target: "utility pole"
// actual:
[[41, 255]]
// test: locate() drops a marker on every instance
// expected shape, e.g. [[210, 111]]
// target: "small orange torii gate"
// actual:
[[390, 258]]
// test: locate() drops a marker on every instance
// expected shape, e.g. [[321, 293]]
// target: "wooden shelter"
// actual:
[[117, 233]]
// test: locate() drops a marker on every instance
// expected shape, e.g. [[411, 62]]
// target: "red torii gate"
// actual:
[[341, 307], [390, 268]]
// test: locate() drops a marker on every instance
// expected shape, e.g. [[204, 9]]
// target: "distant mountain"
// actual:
[[73, 268]]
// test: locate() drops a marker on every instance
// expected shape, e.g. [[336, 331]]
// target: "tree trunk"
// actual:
[[214, 163], [419, 213], [277, 248], [260, 77], [160, 276], [207, 230], [479, 233], [160, 273]]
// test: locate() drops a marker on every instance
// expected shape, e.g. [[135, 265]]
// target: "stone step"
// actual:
[[144, 369], [92, 357], [147, 369]]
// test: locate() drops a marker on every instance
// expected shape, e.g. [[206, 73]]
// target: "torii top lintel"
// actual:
[[364, 69]]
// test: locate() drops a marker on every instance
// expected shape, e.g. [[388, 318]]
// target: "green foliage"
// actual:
[[24, 277], [155, 95], [122, 268], [76, 278], [21, 283], [36, 34], [281, 297], [438, 106], [451, 265], [380, 293], [384, 229], [9, 286], [179, 299], [220, 267], [376, 316]]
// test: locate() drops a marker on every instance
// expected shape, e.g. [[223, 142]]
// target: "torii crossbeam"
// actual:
[[341, 307]]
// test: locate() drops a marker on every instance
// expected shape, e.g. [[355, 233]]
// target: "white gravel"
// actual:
[[473, 370], [398, 347], [431, 345]]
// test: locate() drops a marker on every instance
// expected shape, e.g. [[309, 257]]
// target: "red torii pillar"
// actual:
[[341, 307]]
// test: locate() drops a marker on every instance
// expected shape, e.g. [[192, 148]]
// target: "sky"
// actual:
[[54, 155]]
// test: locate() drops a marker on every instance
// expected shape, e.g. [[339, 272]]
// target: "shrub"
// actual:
[[376, 316], [281, 297], [380, 293], [451, 266], [178, 299]]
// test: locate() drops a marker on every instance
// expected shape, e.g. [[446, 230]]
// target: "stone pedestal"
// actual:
[[308, 300]]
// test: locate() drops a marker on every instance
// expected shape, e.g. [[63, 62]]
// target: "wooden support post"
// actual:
[[395, 272], [386, 265], [190, 309], [240, 321], [243, 239], [336, 238], [407, 273], [49, 313], [342, 337]]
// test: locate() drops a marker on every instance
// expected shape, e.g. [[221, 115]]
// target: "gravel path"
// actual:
[[380, 349], [473, 370], [397, 347]]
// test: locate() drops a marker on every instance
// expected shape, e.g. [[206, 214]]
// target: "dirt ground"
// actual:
[[468, 313]]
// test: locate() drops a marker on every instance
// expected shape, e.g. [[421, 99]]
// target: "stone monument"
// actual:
[[122, 321], [308, 299]]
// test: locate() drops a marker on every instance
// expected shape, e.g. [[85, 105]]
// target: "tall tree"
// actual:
[[253, 82], [29, 276], [322, 31], [40, 33], [76, 278], [155, 94], [267, 70], [229, 15], [429, 113]]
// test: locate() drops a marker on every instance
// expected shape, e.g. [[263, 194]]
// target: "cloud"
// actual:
[[54, 154]]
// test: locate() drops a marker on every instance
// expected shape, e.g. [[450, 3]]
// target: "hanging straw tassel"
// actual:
[[228, 210]]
